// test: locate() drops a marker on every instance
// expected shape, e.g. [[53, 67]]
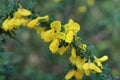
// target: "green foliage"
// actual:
[[6, 69]]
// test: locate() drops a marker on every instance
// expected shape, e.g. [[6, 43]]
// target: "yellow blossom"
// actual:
[[78, 74], [18, 22], [82, 9], [60, 35], [69, 37], [39, 30], [54, 45], [78, 61], [22, 12], [90, 2], [33, 23], [63, 49], [56, 25], [73, 26], [57, 1], [100, 60], [89, 67], [10, 24], [73, 52], [48, 35], [25, 22], [44, 18], [5, 25], [54, 32], [83, 46]]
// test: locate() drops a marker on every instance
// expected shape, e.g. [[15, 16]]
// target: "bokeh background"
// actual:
[[100, 25]]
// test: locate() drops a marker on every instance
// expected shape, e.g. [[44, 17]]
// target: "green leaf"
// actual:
[[5, 55], [1, 38], [1, 50], [2, 77]]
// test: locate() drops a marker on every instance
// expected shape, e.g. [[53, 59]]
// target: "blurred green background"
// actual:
[[100, 25]]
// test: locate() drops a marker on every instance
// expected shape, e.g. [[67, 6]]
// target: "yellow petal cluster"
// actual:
[[89, 67], [83, 64], [56, 25], [78, 61], [55, 36], [54, 45], [82, 9], [11, 23], [90, 2], [22, 12], [61, 38], [19, 20], [78, 74], [48, 35], [63, 49], [73, 52], [100, 60], [71, 28], [83, 47], [69, 37], [33, 23]]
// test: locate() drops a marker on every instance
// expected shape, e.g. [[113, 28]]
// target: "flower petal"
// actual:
[[63, 49], [86, 69], [73, 52], [56, 25], [69, 75], [69, 37], [78, 74], [48, 35], [54, 45]]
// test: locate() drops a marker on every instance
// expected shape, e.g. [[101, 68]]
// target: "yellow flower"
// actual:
[[89, 67], [69, 37], [73, 52], [33, 23], [54, 46], [40, 30], [71, 29], [48, 35], [25, 22], [5, 25], [60, 35], [100, 60], [56, 25], [55, 36], [44, 19], [90, 2], [10, 24], [57, 1], [73, 26], [78, 61], [18, 22], [54, 32], [22, 12], [78, 74], [83, 46], [82, 9], [17, 15], [63, 49]]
